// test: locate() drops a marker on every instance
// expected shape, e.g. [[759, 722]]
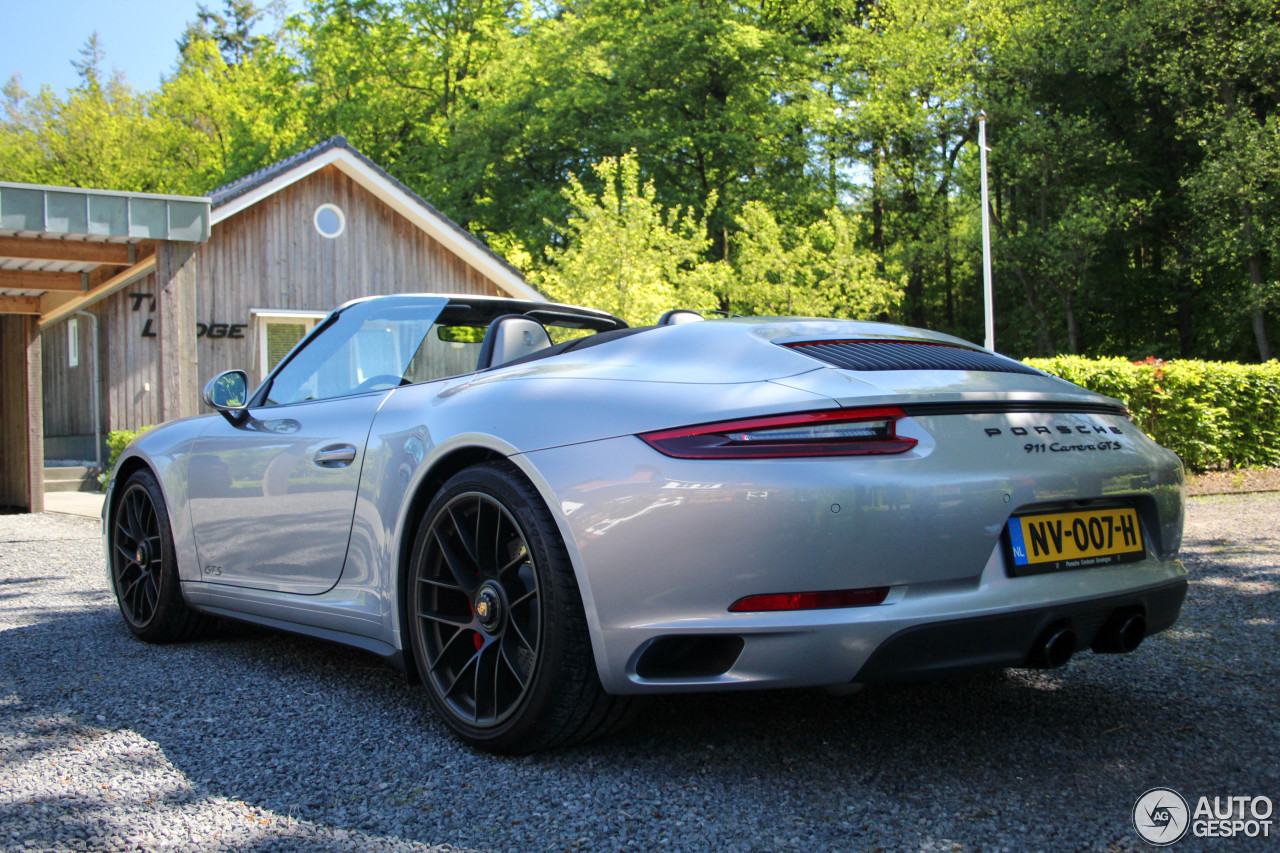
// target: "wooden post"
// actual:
[[35, 416], [13, 414], [176, 282]]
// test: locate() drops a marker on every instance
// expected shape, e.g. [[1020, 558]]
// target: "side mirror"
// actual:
[[228, 394]]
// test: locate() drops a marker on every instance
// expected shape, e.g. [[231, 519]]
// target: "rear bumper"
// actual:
[[962, 646], [916, 633]]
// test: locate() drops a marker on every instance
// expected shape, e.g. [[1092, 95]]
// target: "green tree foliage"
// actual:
[[226, 120], [625, 254], [209, 122], [1218, 67], [816, 270], [100, 135], [231, 29], [814, 157], [1130, 171], [401, 79], [904, 85]]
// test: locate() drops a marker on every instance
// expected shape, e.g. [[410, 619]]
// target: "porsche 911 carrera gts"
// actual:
[[540, 513]]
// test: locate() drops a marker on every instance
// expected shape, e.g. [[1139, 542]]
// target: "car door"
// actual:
[[272, 496], [271, 505]]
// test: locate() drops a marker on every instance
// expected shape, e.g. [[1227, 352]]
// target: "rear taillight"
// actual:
[[839, 432], [781, 601]]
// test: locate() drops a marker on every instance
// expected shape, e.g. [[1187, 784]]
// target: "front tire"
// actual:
[[495, 619], [144, 566]]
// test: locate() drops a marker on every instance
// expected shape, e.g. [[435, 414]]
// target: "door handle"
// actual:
[[336, 456]]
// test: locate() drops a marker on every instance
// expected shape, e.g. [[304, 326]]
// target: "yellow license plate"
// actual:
[[1074, 540]]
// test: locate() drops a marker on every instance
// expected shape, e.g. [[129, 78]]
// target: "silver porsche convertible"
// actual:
[[539, 512]]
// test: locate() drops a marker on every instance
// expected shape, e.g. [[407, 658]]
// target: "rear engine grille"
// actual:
[[907, 355]]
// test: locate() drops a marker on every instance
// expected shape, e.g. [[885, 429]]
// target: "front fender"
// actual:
[[165, 450]]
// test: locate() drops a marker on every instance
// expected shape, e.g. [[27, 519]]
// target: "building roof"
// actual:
[[234, 197]]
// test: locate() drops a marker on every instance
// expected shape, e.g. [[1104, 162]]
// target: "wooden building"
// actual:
[[283, 246], [62, 250]]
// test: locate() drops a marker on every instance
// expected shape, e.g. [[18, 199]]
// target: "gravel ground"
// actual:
[[256, 741]]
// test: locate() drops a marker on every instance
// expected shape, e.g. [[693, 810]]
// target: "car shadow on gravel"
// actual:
[[253, 726], [306, 729]]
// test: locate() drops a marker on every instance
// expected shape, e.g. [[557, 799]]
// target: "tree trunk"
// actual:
[[911, 217], [877, 209], [1227, 95], [1073, 325], [1259, 319], [1044, 334], [915, 296], [947, 275], [1255, 287]]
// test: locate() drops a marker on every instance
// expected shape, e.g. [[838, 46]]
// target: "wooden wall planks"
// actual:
[[68, 391], [268, 256], [271, 256]]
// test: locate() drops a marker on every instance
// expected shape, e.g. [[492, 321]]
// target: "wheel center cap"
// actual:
[[143, 554], [488, 606]]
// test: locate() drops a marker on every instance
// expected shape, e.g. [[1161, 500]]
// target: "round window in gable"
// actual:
[[329, 220]]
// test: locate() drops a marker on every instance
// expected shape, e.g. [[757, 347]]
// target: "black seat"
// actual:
[[510, 337]]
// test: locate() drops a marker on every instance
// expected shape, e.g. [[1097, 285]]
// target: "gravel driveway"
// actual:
[[256, 741]]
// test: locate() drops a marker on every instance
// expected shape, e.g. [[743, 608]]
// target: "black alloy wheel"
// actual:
[[495, 619], [480, 610], [137, 555], [144, 566]]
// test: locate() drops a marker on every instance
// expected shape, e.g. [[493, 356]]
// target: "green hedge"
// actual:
[[117, 441], [1213, 414]]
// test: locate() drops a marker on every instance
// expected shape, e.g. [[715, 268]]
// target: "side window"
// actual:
[[368, 347]]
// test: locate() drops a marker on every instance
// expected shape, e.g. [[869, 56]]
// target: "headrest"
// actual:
[[509, 337], [676, 316]]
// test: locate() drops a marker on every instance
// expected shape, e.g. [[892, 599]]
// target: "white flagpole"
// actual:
[[990, 342]]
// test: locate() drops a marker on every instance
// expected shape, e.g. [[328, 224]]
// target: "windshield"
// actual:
[[367, 347]]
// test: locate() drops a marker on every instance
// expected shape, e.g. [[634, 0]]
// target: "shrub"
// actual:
[[1212, 414], [117, 441]]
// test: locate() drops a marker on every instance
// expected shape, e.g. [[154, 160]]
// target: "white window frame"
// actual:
[[342, 220], [262, 316]]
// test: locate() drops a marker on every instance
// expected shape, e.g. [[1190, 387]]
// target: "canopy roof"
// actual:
[[62, 248]]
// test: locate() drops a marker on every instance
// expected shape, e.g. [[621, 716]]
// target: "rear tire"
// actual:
[[144, 566], [496, 623]]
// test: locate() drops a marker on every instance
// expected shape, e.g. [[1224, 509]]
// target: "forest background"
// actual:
[[782, 156]]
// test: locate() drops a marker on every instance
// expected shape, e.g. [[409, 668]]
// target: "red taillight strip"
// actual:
[[711, 441], [784, 601]]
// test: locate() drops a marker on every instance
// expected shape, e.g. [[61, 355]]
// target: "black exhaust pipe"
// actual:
[[1054, 649], [1121, 634]]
